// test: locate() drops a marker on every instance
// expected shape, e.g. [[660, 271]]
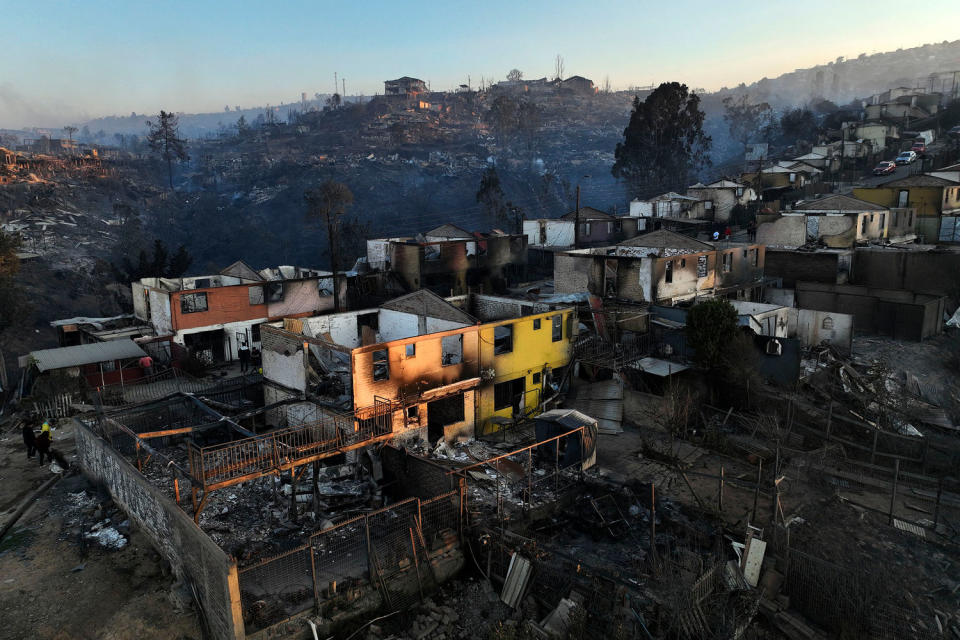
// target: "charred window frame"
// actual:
[[503, 339], [668, 271], [536, 324], [193, 303], [863, 223], [756, 257], [274, 292], [571, 335], [432, 252], [506, 393], [557, 328], [255, 333], [255, 295], [381, 365], [411, 350], [451, 350], [727, 262], [701, 266]]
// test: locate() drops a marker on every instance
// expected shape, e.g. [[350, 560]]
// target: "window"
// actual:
[[255, 333], [793, 177], [193, 302], [756, 257], [739, 191], [883, 219], [727, 265], [610, 228], [827, 323], [585, 228], [503, 339], [902, 198], [618, 225], [896, 218], [557, 328], [536, 324], [669, 271], [683, 262], [508, 394], [701, 266], [570, 334], [910, 219], [431, 252], [413, 412], [863, 224], [255, 294], [451, 350], [381, 365], [871, 217], [536, 378], [411, 350], [274, 291]]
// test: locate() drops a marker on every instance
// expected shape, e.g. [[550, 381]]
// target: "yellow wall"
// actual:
[[533, 350], [926, 200]]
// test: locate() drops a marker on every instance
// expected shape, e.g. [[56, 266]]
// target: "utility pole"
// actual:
[[331, 235], [576, 226], [344, 81]]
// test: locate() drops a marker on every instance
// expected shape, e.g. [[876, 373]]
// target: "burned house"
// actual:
[[449, 263], [444, 368], [211, 316], [936, 200], [405, 86], [837, 221], [596, 229], [722, 196], [663, 267]]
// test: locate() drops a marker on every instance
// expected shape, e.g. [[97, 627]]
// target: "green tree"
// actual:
[[711, 330], [491, 196], [664, 142], [746, 119], [328, 204], [164, 138]]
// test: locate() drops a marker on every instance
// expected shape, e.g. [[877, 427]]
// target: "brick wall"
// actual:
[[194, 557]]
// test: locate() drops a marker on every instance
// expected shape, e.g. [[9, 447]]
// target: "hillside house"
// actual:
[[405, 86], [211, 316], [837, 221], [663, 267], [931, 197], [445, 368], [723, 196], [451, 261]]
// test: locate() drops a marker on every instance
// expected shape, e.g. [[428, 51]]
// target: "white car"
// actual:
[[906, 157]]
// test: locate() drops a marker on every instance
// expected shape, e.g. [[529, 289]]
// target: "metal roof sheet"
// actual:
[[49, 359]]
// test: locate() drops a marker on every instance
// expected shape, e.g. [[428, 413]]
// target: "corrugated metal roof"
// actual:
[[567, 417], [49, 359]]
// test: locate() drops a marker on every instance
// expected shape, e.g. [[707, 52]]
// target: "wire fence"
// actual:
[[387, 550]]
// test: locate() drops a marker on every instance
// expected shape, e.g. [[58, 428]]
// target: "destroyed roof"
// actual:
[[588, 213], [427, 303], [838, 203], [719, 184], [664, 239], [449, 231], [50, 359], [570, 418], [406, 79], [920, 180], [241, 269], [673, 195]]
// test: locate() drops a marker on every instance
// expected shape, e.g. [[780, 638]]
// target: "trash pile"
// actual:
[[96, 521]]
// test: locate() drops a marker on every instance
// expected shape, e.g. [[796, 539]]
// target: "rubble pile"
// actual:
[[94, 521]]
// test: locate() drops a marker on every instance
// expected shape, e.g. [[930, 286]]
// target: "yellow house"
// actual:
[[520, 358], [930, 196], [441, 368]]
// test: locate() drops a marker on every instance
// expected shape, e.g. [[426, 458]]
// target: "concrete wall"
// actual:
[[787, 231], [303, 296], [160, 312], [904, 315], [687, 281], [194, 557], [814, 327], [141, 302], [933, 272], [574, 274], [395, 325], [804, 266], [559, 233]]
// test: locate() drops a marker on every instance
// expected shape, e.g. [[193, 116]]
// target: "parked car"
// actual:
[[919, 147], [884, 168], [954, 132], [906, 157]]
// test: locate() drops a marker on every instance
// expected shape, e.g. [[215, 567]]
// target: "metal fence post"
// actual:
[[313, 574]]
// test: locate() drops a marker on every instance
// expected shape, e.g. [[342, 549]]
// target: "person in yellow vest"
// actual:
[[43, 442]]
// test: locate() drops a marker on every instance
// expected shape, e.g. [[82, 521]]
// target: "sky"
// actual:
[[69, 61]]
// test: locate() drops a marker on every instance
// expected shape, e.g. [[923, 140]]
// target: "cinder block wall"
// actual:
[[194, 557]]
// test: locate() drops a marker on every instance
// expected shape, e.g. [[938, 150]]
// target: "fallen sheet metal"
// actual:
[[518, 575], [602, 401]]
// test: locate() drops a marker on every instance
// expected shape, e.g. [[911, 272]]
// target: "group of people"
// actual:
[[38, 444]]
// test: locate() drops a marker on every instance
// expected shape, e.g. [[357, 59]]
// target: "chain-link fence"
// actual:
[[386, 550]]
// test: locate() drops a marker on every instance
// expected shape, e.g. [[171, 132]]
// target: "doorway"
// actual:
[[443, 412]]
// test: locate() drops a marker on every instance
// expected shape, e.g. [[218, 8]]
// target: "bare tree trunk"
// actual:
[[170, 171]]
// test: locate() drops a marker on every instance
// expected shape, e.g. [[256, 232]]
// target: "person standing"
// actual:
[[243, 352], [43, 444], [146, 363], [29, 440]]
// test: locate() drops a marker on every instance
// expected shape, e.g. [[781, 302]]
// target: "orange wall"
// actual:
[[224, 304]]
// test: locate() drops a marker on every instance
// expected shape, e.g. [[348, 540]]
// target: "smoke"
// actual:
[[17, 111]]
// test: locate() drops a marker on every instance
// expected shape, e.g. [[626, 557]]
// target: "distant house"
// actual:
[[673, 205], [405, 86], [548, 233], [98, 363], [579, 84], [663, 267], [838, 221]]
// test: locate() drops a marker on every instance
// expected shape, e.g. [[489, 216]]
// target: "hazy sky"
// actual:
[[66, 61]]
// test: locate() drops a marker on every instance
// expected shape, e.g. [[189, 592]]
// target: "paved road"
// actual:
[[903, 171]]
